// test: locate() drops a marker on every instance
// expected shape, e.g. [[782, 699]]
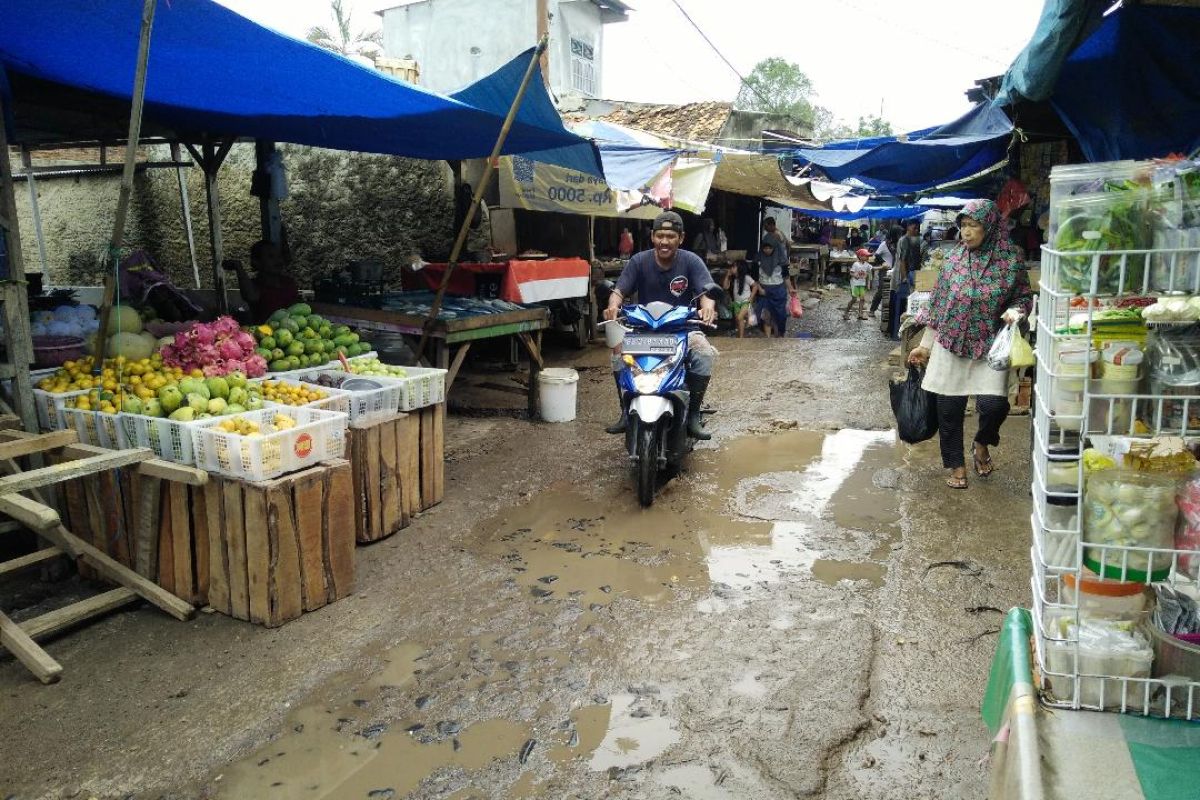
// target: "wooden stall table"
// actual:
[[818, 258], [526, 324]]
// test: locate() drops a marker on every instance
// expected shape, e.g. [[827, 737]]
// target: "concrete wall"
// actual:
[[342, 207], [439, 35]]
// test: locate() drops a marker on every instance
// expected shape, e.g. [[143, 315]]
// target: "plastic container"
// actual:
[[1099, 598], [1093, 224], [1062, 513], [421, 387], [1067, 180], [1062, 476], [170, 440], [556, 394], [52, 351], [334, 400], [50, 406], [1121, 361], [1173, 656], [614, 333], [1067, 406], [1123, 508], [1105, 647], [1107, 413], [317, 436], [95, 428], [365, 407]]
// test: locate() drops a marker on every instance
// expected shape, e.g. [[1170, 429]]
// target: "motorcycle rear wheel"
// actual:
[[647, 464]]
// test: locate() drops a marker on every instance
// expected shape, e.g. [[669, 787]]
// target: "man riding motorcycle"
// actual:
[[669, 275]]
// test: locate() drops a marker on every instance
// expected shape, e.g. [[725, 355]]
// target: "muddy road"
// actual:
[[805, 612]]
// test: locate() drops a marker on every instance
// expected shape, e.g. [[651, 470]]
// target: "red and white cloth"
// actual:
[[551, 279]]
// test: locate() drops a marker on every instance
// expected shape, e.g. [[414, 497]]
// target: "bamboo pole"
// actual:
[[131, 143], [465, 228]]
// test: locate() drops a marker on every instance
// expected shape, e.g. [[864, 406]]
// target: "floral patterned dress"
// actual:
[[973, 290]]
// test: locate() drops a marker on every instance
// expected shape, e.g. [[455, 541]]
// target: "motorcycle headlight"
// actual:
[[648, 382]]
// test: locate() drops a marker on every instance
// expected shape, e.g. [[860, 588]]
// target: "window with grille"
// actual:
[[583, 76]]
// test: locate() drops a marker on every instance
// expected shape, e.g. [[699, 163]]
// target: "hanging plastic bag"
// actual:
[[915, 409], [795, 307], [999, 356], [1021, 354], [752, 318]]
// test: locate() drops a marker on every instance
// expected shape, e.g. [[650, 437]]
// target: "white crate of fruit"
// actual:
[[276, 450], [419, 386], [95, 427], [50, 405], [333, 400], [169, 439], [365, 406]]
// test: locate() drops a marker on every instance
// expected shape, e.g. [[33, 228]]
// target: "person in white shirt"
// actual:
[[742, 289], [859, 271], [885, 256]]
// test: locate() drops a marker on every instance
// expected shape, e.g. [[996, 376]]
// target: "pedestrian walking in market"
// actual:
[[860, 270], [908, 261], [776, 286], [741, 289], [884, 259], [982, 287]]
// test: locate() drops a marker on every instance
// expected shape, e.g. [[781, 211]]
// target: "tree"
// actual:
[[828, 129], [777, 86], [343, 39]]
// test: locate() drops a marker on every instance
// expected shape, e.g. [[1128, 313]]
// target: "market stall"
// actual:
[[461, 322], [1116, 533]]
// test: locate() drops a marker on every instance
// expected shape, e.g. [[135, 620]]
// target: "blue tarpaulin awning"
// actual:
[[972, 144], [869, 212], [212, 72]]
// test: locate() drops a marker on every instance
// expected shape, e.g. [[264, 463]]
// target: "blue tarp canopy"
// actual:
[[869, 212], [496, 92], [971, 144], [212, 72], [1132, 89], [1061, 27]]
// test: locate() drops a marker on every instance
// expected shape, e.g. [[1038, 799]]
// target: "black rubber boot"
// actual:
[[621, 424], [697, 386]]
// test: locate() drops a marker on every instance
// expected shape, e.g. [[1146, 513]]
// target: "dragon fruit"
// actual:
[[216, 348]]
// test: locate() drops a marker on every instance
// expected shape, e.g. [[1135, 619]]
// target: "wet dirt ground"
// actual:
[[805, 612]]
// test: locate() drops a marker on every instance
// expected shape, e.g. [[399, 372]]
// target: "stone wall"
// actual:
[[342, 207]]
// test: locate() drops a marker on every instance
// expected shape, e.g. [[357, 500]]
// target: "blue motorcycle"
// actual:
[[654, 391]]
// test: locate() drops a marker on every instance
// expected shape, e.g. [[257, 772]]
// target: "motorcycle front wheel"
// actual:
[[647, 464]]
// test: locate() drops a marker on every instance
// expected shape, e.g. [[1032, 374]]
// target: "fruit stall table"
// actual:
[[526, 323]]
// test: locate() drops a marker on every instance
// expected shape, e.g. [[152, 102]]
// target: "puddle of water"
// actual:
[[841, 454], [831, 571], [589, 725], [632, 738], [785, 451], [694, 782]]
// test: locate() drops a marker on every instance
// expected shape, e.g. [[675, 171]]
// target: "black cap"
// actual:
[[668, 221]]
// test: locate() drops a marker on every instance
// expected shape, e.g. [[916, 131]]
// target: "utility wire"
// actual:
[[720, 55]]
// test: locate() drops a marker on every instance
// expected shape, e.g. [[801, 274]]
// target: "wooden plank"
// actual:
[[60, 619], [234, 523], [166, 470], [10, 526], [286, 593], [94, 532], [457, 363], [67, 470], [399, 435], [439, 452], [410, 453], [32, 514], [165, 568], [38, 444], [426, 415], [200, 545], [355, 448], [19, 643], [146, 524], [115, 542], [373, 487], [181, 544], [30, 560], [389, 480], [310, 502], [218, 552], [257, 555], [338, 537]]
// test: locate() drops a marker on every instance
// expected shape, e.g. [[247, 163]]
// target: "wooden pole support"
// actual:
[[19, 643]]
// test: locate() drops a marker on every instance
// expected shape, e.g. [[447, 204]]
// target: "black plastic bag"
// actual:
[[915, 408]]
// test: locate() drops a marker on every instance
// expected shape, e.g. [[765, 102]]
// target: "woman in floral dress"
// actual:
[[982, 287]]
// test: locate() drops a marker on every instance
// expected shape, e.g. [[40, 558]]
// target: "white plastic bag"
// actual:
[[999, 356], [752, 318]]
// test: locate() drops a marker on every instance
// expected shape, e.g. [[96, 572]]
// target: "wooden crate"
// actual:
[[101, 509], [386, 472], [433, 455], [281, 547]]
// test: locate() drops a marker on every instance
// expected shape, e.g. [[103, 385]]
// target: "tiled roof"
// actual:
[[700, 122]]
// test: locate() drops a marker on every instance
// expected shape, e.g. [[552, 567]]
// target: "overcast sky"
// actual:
[[914, 59]]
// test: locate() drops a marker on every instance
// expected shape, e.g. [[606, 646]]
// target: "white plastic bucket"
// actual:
[[614, 332], [556, 394]]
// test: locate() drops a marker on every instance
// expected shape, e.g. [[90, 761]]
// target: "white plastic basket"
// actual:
[[422, 386], [370, 406], [95, 428], [170, 440], [318, 436], [335, 400], [50, 406]]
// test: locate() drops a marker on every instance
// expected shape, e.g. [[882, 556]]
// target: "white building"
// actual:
[[456, 42]]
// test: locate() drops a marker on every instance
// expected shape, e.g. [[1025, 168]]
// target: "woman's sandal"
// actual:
[[957, 483], [983, 467]]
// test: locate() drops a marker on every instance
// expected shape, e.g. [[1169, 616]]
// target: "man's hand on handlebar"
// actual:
[[707, 311], [611, 312]]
